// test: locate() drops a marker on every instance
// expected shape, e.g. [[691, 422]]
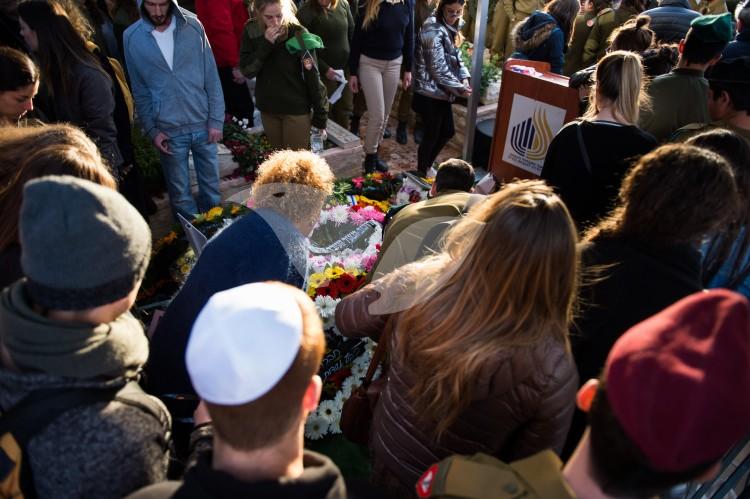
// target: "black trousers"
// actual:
[[437, 126], [237, 100]]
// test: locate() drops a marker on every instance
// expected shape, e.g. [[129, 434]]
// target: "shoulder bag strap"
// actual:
[[582, 147], [378, 355]]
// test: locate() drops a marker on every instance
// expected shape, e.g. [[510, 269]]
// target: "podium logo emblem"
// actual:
[[532, 125], [531, 138]]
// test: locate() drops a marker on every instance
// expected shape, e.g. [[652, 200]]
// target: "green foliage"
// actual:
[[491, 70], [147, 158]]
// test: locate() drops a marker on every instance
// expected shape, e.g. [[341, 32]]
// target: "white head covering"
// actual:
[[243, 342]]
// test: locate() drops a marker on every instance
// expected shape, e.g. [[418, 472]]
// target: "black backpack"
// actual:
[[39, 409]]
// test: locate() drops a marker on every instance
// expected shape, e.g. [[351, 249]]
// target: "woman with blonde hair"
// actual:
[[588, 158], [480, 360], [31, 152], [383, 40], [279, 53]]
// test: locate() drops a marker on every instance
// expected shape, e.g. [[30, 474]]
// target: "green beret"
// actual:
[[713, 29]]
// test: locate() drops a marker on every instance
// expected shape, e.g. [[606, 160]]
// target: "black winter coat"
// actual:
[[671, 20], [635, 280]]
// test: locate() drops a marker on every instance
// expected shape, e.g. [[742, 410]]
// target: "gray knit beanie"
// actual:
[[82, 245]]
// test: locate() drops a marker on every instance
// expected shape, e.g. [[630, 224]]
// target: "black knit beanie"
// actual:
[[82, 245]]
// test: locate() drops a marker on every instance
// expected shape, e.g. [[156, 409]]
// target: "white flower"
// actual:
[[339, 214], [328, 410], [245, 122], [348, 385], [318, 264], [359, 370], [340, 399], [316, 426], [324, 216], [375, 238], [326, 305], [335, 427]]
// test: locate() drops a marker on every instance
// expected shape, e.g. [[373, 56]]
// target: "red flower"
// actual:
[[346, 284], [338, 377]]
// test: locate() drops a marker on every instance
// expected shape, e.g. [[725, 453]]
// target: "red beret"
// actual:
[[679, 382]]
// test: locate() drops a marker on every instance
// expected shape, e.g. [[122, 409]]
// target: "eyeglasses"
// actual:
[[454, 13]]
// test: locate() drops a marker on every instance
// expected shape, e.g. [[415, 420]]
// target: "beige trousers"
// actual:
[[379, 82], [287, 131]]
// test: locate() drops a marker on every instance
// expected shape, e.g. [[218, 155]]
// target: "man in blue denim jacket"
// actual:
[[178, 98]]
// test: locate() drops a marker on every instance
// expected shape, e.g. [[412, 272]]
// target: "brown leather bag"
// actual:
[[356, 414]]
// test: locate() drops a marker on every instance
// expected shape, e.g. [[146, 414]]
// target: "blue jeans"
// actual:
[[177, 175]]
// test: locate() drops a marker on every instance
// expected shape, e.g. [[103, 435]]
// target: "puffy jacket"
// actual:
[[522, 403], [438, 68], [671, 20], [540, 38]]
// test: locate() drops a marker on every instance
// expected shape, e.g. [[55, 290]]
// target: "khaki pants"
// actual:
[[342, 110], [379, 82], [287, 131]]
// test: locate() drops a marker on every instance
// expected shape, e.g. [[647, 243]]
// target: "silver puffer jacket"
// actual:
[[438, 68]]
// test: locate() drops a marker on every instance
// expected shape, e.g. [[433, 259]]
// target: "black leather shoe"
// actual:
[[370, 163], [401, 136], [380, 165], [387, 133]]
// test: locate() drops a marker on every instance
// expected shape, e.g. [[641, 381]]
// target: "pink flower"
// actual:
[[368, 262], [358, 181]]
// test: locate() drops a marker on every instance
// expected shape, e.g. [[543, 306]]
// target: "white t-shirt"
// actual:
[[165, 41]]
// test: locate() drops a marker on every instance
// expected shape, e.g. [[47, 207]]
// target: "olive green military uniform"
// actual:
[[709, 6], [688, 131], [574, 56], [678, 99], [508, 13], [624, 13], [598, 40], [470, 17], [484, 477], [681, 97]]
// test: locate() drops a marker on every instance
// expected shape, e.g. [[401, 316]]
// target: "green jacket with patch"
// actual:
[[574, 55], [598, 40], [283, 84]]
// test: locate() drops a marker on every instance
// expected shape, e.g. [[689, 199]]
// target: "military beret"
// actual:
[[735, 71], [713, 29]]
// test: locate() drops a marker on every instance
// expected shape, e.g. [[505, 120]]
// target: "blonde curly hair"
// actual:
[[294, 183]]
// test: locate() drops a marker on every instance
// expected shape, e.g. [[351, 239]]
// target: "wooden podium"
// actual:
[[531, 110]]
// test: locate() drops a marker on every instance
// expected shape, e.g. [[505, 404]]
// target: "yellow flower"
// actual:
[[185, 268], [235, 209], [316, 280], [214, 212], [383, 206], [333, 272]]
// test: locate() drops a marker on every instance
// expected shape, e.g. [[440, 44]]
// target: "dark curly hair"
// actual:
[[675, 194]]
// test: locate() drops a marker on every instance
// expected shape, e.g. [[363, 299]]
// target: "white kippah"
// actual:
[[243, 342]]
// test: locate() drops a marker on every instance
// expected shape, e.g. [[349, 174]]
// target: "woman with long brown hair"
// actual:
[[480, 360], [75, 88], [31, 152], [644, 256], [545, 35]]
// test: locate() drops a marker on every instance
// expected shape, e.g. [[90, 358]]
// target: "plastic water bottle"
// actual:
[[317, 138]]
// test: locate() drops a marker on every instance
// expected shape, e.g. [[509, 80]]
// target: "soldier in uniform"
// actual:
[[598, 40], [728, 100], [709, 6], [681, 97], [507, 14], [581, 29]]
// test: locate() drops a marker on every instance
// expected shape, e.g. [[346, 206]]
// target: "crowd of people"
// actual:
[[585, 334]]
